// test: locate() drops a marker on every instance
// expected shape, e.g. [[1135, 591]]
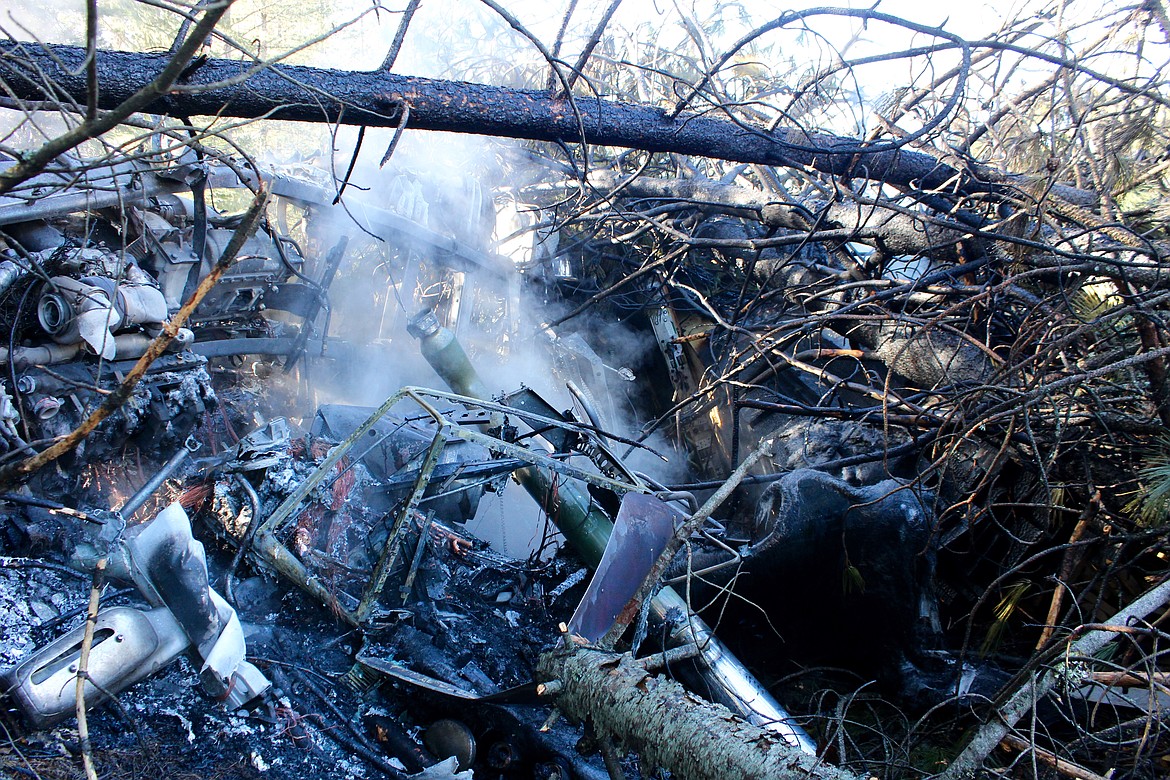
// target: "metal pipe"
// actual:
[[9, 273], [129, 346], [154, 483], [287, 564], [244, 346], [45, 355], [587, 529], [119, 192], [583, 524], [727, 680], [585, 398]]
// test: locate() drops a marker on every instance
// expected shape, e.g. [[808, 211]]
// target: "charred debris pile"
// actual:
[[762, 502]]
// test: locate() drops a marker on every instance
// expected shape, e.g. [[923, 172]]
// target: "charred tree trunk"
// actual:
[[669, 727], [238, 89]]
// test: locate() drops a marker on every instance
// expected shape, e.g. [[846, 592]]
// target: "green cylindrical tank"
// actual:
[[442, 350], [585, 527]]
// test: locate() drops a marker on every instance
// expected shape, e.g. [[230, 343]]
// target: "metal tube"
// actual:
[[583, 524], [585, 527], [9, 273], [154, 483], [587, 530], [585, 398], [287, 564], [91, 198], [128, 345], [244, 346], [728, 681], [445, 354], [45, 355]]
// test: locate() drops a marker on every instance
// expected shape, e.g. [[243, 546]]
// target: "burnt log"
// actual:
[[217, 87], [927, 357]]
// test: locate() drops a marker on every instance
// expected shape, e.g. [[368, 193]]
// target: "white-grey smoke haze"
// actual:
[[446, 183]]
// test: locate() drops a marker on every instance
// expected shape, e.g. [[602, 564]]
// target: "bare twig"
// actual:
[[556, 49], [91, 34], [1072, 557], [398, 133], [83, 668], [399, 36], [591, 44]]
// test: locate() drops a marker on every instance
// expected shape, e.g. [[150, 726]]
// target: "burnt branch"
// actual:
[[305, 94]]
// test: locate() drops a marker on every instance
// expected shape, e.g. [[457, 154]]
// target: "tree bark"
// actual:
[[669, 727], [245, 90], [929, 357]]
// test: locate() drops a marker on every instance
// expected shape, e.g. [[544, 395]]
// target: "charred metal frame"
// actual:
[[587, 529], [462, 426]]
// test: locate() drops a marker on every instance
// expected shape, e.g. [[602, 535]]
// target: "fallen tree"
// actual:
[[669, 727], [216, 87]]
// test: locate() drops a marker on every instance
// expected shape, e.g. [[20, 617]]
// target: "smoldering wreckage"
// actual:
[[223, 516]]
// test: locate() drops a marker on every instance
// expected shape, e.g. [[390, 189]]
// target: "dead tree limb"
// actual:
[[238, 89], [1025, 697], [1070, 560], [900, 233], [400, 35], [669, 727], [1066, 768], [91, 617]]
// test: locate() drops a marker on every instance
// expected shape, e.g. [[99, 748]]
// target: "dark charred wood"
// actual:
[[239, 89]]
